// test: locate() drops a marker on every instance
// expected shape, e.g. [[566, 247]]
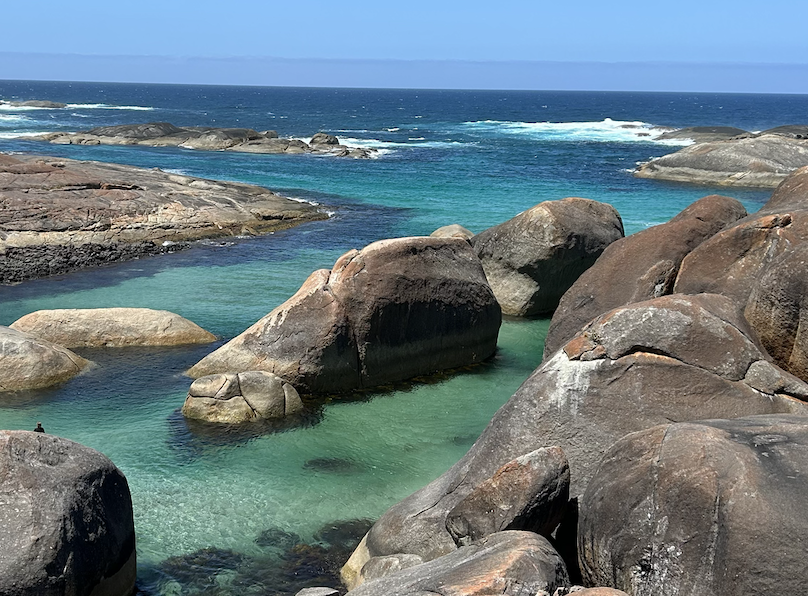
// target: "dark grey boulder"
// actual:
[[137, 132], [66, 523], [671, 358], [533, 258], [715, 508], [322, 138], [639, 267], [795, 131], [394, 310], [38, 103], [512, 563]]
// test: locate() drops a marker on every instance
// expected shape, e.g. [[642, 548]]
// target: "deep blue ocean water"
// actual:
[[471, 157]]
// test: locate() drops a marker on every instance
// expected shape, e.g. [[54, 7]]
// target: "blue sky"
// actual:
[[270, 42]]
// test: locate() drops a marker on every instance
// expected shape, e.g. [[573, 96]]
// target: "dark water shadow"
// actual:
[[288, 564]]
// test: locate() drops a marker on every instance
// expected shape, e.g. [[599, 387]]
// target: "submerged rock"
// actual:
[[27, 362], [392, 311], [241, 397], [66, 522], [533, 258], [112, 327], [714, 508]]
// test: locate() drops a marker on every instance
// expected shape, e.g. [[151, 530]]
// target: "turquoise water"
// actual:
[[474, 158]]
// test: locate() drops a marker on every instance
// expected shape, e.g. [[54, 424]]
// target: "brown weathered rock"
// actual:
[[27, 362], [112, 327], [233, 398], [714, 508], [529, 493], [732, 261], [533, 258], [671, 358], [66, 522], [59, 215], [777, 310], [394, 310], [511, 563], [753, 161], [639, 267]]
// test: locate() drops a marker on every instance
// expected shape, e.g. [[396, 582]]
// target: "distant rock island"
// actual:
[[245, 140], [58, 214], [35, 103], [727, 156]]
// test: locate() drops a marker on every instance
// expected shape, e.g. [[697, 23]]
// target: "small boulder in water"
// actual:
[[112, 327], [452, 231], [241, 397]]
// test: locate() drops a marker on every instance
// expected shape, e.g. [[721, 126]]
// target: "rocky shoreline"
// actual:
[[725, 156], [58, 215], [244, 140]]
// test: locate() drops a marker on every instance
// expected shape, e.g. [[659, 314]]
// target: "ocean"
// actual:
[[475, 158]]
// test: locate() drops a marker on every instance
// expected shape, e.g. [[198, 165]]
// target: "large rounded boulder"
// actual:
[[112, 327], [715, 508], [639, 267], [392, 311], [27, 362], [533, 258], [66, 523], [672, 358]]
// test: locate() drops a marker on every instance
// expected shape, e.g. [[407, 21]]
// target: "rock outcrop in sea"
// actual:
[[241, 397], [66, 521], [112, 327], [205, 138], [683, 430], [394, 310], [762, 159], [57, 215]]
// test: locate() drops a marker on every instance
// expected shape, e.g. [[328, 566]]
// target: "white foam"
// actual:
[[13, 118], [20, 135], [604, 131], [104, 106]]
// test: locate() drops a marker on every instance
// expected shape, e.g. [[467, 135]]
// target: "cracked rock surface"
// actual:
[[60, 214], [670, 359]]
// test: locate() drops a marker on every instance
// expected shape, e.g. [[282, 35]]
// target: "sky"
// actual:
[[701, 45]]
